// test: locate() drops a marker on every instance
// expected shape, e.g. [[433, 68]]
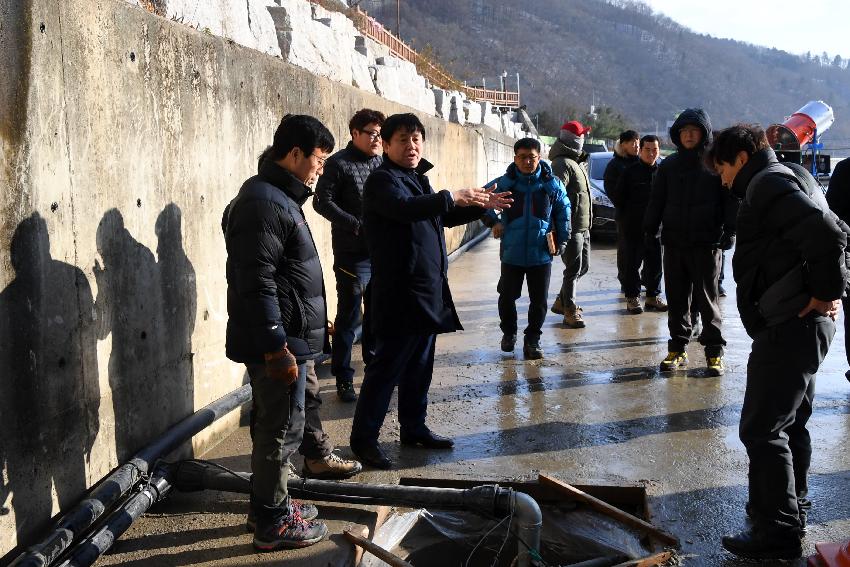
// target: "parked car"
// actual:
[[603, 209], [593, 146]]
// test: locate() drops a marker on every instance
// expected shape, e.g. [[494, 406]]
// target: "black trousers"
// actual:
[[846, 304], [693, 272], [510, 288], [777, 405], [638, 264], [406, 361]]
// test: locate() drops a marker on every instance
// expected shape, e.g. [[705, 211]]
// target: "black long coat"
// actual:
[[403, 219]]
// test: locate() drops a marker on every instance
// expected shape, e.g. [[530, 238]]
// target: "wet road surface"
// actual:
[[594, 410]]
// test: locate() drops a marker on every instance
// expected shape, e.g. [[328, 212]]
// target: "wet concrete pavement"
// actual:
[[595, 410]]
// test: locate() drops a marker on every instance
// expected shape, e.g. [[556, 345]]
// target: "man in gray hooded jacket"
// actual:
[[565, 156]]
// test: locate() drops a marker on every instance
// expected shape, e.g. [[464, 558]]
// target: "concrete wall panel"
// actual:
[[123, 136]]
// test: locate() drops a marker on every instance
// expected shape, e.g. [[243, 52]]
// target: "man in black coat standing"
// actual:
[[339, 198], [408, 299], [625, 154], [630, 196], [790, 268], [277, 322], [838, 197], [697, 219]]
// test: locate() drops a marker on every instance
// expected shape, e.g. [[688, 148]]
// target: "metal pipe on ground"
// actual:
[[192, 476], [112, 488]]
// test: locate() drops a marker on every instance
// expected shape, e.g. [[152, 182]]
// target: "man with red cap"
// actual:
[[568, 165]]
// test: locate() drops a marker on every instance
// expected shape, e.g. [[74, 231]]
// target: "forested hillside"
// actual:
[[573, 53]]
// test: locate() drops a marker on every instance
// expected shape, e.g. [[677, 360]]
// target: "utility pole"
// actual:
[[398, 18]]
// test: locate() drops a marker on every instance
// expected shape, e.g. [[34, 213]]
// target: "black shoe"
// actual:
[[508, 343], [372, 455], [345, 391], [765, 543], [429, 440], [532, 351]]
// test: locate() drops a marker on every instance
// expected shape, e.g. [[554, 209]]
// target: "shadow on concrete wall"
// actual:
[[48, 387], [148, 307]]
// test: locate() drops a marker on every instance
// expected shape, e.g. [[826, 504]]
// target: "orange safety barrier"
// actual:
[[373, 29]]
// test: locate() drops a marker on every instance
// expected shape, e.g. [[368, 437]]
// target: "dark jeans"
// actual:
[[632, 251], [777, 404], [510, 288], [351, 280], [576, 260], [316, 444], [277, 427], [692, 272], [403, 360]]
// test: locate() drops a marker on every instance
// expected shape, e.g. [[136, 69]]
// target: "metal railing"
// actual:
[[373, 29]]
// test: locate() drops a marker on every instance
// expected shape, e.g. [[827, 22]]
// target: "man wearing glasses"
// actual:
[[541, 211], [339, 198]]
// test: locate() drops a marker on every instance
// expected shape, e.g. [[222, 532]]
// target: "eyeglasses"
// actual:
[[321, 159], [373, 134], [527, 157]]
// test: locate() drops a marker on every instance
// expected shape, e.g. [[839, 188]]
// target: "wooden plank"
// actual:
[[609, 510], [376, 550], [651, 561]]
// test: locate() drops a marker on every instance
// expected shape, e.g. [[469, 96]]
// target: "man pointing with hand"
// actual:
[[408, 301]]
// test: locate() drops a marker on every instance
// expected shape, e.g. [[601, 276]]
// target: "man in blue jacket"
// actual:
[[540, 207], [408, 299]]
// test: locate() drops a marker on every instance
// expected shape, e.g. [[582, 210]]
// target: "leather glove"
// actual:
[[727, 241], [282, 366]]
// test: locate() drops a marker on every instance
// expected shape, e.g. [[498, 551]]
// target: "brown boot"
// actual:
[[332, 466], [655, 303], [573, 318], [558, 307]]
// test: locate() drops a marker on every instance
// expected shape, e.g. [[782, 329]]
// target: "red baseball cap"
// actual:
[[576, 127]]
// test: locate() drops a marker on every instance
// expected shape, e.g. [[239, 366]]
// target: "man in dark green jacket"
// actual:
[[565, 156]]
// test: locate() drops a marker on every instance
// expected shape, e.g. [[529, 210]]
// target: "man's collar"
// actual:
[[284, 180], [399, 171]]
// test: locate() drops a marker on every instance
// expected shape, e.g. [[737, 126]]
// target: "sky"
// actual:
[[790, 25]]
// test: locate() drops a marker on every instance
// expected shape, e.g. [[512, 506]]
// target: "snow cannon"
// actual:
[[802, 127]]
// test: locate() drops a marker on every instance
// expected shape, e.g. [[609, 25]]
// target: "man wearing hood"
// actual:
[[540, 211], [790, 269], [697, 219], [568, 166]]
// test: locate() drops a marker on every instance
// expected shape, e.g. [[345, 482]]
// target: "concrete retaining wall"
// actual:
[[122, 137]]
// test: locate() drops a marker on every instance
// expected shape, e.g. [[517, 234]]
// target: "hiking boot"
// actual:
[[715, 365], [573, 319], [532, 351], [288, 531], [655, 303], [508, 343], [307, 511], [633, 305], [675, 360], [765, 543], [345, 390], [558, 307], [331, 467]]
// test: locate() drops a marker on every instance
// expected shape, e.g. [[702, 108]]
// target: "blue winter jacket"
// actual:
[[540, 206]]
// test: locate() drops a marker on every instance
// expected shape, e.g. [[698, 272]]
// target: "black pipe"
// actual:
[[110, 490], [87, 551]]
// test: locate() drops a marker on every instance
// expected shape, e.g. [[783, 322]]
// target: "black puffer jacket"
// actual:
[[614, 170], [781, 227], [275, 290], [631, 197], [339, 198], [687, 201]]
